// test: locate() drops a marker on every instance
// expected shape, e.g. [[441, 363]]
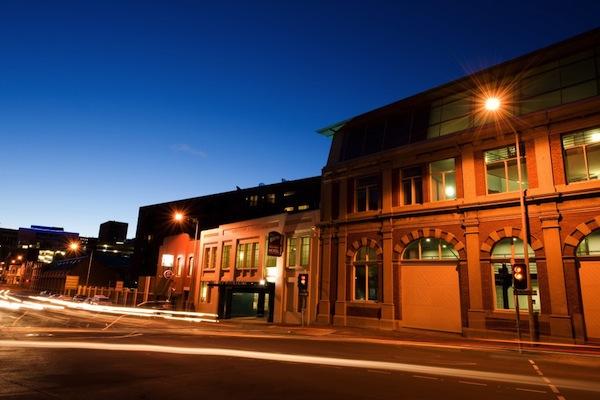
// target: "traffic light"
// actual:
[[303, 283], [519, 272]]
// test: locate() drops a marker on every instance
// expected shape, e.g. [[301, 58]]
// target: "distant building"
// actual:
[[112, 232], [43, 243], [155, 222]]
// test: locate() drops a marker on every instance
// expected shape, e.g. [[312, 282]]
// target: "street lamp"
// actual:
[[493, 104], [180, 217], [74, 246]]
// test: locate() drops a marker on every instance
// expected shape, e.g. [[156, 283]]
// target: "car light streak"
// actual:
[[305, 359], [132, 311], [12, 303]]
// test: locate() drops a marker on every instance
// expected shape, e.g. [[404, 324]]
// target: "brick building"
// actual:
[[420, 212]]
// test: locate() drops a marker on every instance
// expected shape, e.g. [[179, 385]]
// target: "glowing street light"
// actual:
[[73, 246], [180, 217], [493, 104]]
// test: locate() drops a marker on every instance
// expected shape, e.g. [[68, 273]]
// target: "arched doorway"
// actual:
[[588, 254]]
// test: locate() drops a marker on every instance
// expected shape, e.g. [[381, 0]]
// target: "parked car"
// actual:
[[162, 305], [80, 298], [100, 300]]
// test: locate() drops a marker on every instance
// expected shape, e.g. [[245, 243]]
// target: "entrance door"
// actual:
[[589, 278], [431, 297]]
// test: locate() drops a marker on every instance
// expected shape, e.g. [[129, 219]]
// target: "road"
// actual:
[[68, 353]]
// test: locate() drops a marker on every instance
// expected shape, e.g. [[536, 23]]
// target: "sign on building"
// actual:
[[275, 244]]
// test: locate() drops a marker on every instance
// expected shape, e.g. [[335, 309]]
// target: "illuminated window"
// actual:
[[590, 245], [501, 170], [167, 260], [367, 194], [443, 180], [412, 186], [304, 251], [582, 155], [210, 257], [190, 265], [366, 275], [179, 265], [226, 257], [303, 207], [247, 256], [292, 251], [504, 253], [289, 209], [429, 248], [204, 292]]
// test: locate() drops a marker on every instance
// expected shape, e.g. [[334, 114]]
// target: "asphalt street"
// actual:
[[69, 353]]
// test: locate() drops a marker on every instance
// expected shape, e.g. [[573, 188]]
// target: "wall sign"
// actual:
[[275, 244]]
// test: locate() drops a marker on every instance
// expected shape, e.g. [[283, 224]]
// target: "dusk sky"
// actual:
[[106, 106]]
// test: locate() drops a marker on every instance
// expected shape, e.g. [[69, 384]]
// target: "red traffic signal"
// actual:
[[303, 283], [519, 272]]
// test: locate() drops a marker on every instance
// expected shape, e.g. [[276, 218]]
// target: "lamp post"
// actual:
[[74, 246], [493, 104], [180, 217]]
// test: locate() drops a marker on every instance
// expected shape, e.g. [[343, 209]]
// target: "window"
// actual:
[[271, 269], [558, 82], [226, 257], [366, 275], [167, 260], [292, 251], [210, 257], [304, 251], [270, 198], [179, 265], [451, 114], [582, 155], [590, 245], [501, 170], [252, 200], [429, 249], [303, 207], [443, 179], [412, 186], [247, 255], [190, 265], [505, 252], [367, 194], [204, 292]]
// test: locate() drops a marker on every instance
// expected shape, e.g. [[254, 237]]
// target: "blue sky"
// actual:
[[109, 105]]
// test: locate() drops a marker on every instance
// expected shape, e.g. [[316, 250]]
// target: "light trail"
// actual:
[[132, 311], [509, 379], [9, 302]]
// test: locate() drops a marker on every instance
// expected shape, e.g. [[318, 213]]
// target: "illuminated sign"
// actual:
[[275, 244], [168, 260]]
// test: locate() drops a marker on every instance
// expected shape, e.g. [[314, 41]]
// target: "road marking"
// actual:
[[18, 319], [473, 383], [426, 377], [112, 323], [552, 387], [531, 390]]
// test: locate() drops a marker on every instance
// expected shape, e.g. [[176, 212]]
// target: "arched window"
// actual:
[[429, 249], [504, 254], [190, 265], [366, 275], [179, 265], [590, 245]]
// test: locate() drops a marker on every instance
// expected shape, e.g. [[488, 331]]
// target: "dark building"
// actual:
[[8, 242], [155, 222], [42, 243], [423, 203], [112, 232]]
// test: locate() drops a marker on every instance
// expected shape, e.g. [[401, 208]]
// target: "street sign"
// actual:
[[71, 282], [168, 273]]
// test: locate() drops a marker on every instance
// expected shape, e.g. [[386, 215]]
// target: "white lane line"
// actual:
[[531, 390], [473, 383], [433, 378], [552, 387], [112, 323]]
